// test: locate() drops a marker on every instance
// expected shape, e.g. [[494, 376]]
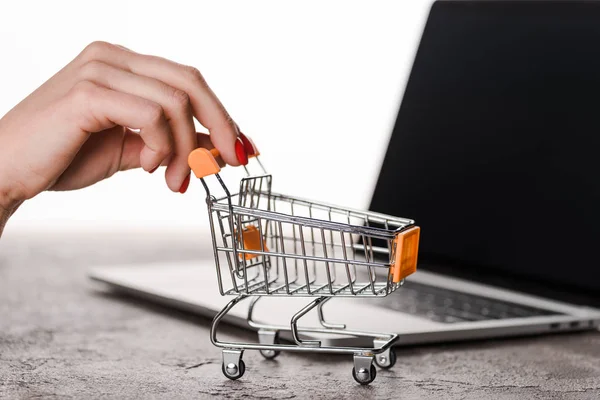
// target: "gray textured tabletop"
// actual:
[[60, 337]]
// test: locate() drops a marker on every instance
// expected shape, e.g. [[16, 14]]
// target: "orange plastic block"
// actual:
[[252, 238], [407, 251], [203, 162]]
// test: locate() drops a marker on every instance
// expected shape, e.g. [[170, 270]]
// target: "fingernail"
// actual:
[[152, 170], [240, 152], [185, 185], [248, 146]]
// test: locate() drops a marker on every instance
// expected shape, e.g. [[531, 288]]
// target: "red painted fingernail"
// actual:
[[152, 170], [248, 146], [240, 152], [185, 185]]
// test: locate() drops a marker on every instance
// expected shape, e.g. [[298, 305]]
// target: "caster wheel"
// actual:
[[269, 354], [383, 362], [362, 376], [233, 371]]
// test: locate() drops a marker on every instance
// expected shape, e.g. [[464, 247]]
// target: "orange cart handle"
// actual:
[[203, 162]]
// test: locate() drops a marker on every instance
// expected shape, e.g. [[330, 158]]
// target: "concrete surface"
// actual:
[[61, 338]]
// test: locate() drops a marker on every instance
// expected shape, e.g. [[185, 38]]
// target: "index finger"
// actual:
[[206, 107]]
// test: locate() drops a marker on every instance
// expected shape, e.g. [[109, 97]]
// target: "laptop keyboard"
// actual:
[[449, 306]]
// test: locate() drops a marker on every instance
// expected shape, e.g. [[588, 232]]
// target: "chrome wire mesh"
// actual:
[[271, 244]]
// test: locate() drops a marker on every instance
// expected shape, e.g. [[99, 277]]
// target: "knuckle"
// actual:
[[154, 114], [82, 91], [95, 49], [194, 74], [155, 118], [79, 102], [91, 69], [180, 99]]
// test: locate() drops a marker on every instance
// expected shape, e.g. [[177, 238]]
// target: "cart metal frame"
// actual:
[[268, 244]]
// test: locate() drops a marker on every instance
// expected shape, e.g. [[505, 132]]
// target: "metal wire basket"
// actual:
[[269, 244]]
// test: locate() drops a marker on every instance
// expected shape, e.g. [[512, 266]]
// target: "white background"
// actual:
[[316, 84]]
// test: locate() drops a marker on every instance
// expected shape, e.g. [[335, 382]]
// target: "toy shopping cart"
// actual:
[[268, 244]]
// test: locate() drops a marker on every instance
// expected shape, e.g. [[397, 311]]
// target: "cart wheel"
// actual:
[[233, 371], [269, 354], [363, 377], [386, 361]]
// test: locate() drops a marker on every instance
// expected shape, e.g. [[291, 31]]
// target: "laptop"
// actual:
[[495, 154]]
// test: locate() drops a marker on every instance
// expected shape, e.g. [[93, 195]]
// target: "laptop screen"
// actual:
[[496, 148]]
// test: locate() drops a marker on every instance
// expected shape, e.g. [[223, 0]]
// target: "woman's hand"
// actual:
[[110, 110]]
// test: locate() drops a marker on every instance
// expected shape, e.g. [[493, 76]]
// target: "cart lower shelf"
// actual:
[[364, 372]]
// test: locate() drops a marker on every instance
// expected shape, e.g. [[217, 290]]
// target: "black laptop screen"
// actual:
[[496, 148]]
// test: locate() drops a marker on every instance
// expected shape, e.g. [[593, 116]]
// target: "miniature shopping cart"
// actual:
[[268, 244]]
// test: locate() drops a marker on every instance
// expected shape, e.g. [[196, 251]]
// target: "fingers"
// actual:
[[205, 105], [133, 143], [132, 146], [99, 108], [174, 102]]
